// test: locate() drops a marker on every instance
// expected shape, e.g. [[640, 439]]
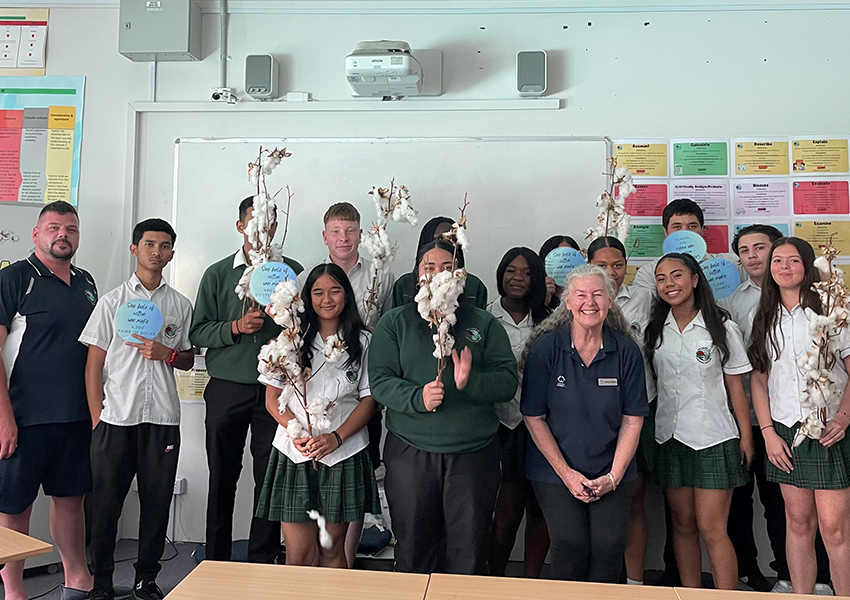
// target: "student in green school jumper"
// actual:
[[441, 451], [696, 352], [815, 476]]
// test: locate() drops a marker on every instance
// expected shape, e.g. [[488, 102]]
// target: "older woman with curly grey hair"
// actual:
[[583, 401]]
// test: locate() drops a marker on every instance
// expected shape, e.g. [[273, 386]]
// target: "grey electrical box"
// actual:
[[160, 30]]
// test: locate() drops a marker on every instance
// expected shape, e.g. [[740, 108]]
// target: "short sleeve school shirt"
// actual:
[[138, 390], [786, 382], [692, 403], [45, 364], [508, 412], [583, 404], [636, 304], [346, 384]]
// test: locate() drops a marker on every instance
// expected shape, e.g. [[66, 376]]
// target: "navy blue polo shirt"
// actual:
[[43, 317], [583, 405]]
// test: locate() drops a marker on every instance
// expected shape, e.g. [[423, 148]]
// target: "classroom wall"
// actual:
[[636, 73]]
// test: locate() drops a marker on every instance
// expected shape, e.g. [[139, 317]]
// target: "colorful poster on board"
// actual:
[[23, 38], [643, 159], [645, 240], [700, 158], [716, 237], [782, 226], [818, 233], [712, 195], [761, 157], [821, 197], [819, 156], [648, 199], [40, 137], [760, 197]]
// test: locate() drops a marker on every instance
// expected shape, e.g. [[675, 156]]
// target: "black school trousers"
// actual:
[[148, 452], [441, 507], [233, 408]]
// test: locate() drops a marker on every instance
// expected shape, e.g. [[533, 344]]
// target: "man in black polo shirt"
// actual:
[[45, 426]]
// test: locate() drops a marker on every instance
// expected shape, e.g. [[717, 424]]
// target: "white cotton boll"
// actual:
[[822, 265], [622, 173], [334, 349], [623, 228], [325, 539], [462, 239], [272, 161], [295, 430]]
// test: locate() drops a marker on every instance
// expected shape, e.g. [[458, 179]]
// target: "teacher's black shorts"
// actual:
[[55, 456]]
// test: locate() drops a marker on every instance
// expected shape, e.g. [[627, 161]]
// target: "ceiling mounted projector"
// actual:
[[383, 68]]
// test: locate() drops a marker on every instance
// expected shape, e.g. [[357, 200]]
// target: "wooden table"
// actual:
[[212, 580], [16, 546], [466, 587], [700, 594]]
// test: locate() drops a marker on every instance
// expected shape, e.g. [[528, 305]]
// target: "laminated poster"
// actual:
[[817, 233], [821, 197], [700, 159], [819, 156], [645, 240], [760, 197], [712, 195], [716, 237], [761, 157], [782, 226], [643, 159], [648, 200]]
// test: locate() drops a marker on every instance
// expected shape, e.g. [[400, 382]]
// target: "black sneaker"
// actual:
[[146, 590], [100, 594], [757, 582]]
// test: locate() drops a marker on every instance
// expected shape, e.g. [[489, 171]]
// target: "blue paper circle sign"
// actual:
[[141, 317], [722, 276], [265, 278], [560, 261], [685, 242]]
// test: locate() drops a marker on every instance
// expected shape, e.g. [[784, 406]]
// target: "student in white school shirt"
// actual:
[[341, 483], [135, 411], [610, 254], [752, 245], [682, 214], [815, 476], [696, 353], [521, 282]]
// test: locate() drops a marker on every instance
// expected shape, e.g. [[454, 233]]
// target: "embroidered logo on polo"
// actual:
[[562, 381], [704, 355], [352, 375], [473, 335], [170, 331], [91, 297]]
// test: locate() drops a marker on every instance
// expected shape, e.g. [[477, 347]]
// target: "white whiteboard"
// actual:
[[521, 191]]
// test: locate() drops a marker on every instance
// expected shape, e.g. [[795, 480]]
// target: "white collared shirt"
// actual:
[[508, 412], [360, 277], [742, 305], [636, 304], [347, 384], [692, 403], [786, 382], [645, 276], [137, 390]]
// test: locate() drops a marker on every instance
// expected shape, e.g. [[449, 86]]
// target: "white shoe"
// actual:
[[823, 589], [782, 587]]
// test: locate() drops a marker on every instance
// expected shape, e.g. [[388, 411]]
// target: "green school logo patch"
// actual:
[[91, 297], [170, 331], [636, 328], [352, 375], [473, 335], [704, 355]]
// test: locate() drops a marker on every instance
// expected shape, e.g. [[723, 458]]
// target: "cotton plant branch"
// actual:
[[613, 218], [261, 227], [822, 389], [437, 298], [391, 204]]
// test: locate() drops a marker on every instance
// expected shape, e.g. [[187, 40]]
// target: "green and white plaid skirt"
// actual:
[[647, 446], [815, 467], [341, 493], [714, 468]]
